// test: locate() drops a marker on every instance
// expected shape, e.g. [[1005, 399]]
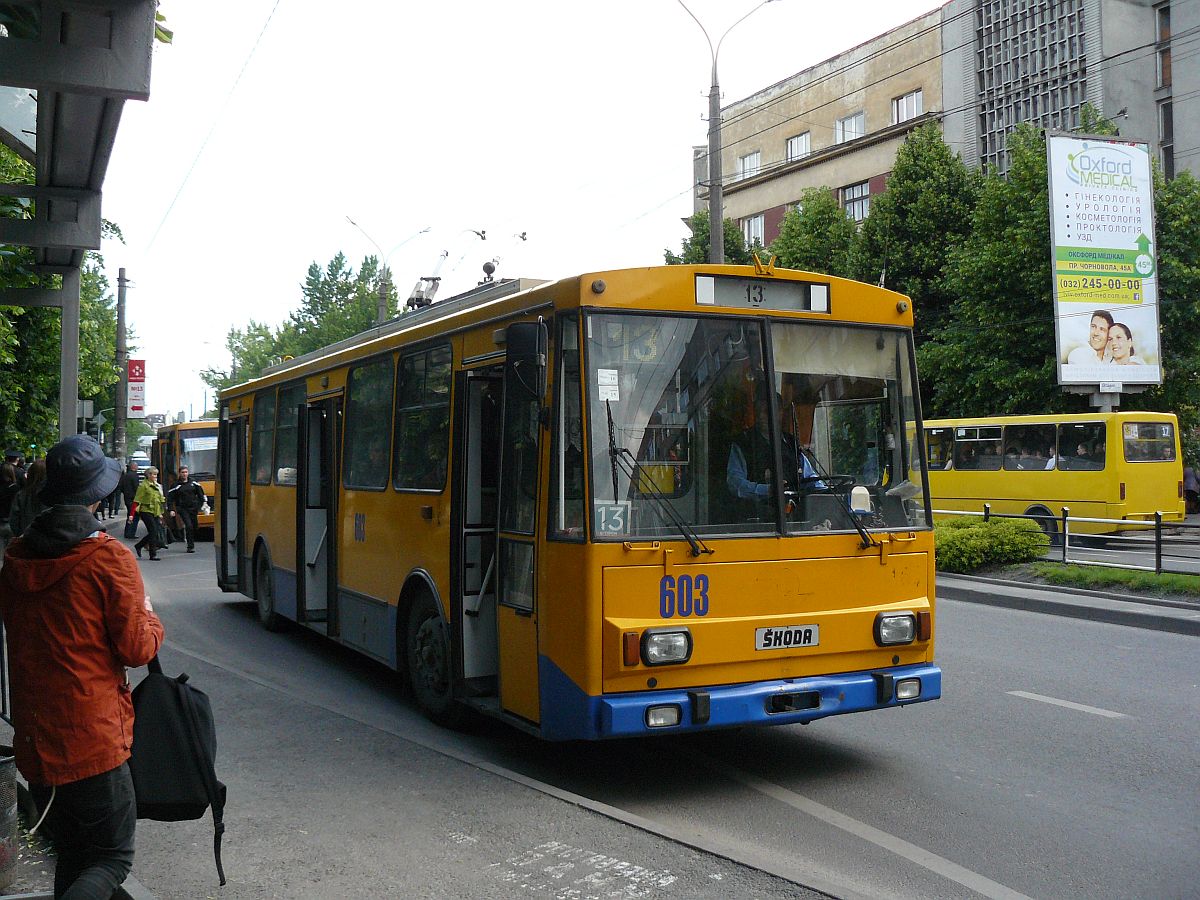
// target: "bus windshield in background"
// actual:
[[680, 426], [1149, 441], [198, 451]]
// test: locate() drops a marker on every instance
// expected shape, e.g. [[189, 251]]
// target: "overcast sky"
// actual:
[[272, 121]]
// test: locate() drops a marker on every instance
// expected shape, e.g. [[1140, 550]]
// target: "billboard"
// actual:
[[136, 405], [1105, 276]]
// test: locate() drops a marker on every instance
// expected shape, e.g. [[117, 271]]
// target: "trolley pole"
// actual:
[[122, 401]]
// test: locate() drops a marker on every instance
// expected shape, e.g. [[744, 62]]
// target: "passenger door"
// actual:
[[516, 551], [231, 550], [316, 514], [477, 455]]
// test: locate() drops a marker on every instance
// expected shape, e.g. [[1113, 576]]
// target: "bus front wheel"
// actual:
[[264, 593], [428, 657]]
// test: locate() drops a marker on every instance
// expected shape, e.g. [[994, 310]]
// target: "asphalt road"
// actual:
[[1060, 762]]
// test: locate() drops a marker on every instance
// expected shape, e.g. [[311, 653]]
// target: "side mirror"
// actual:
[[525, 363]]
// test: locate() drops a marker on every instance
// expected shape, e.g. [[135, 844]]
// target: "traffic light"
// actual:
[[92, 429]]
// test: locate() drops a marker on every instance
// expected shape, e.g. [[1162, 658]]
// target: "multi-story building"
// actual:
[[977, 66], [837, 124], [1010, 61]]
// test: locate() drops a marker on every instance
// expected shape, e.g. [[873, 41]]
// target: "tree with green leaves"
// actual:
[[817, 236], [1177, 221], [31, 337], [335, 303], [695, 246], [995, 353], [926, 211]]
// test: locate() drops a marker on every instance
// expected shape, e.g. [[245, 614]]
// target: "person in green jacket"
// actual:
[[149, 503]]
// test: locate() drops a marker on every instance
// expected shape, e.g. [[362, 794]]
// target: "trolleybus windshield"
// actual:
[[691, 431]]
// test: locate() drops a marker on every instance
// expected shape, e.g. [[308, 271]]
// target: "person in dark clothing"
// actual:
[[76, 614], [128, 486], [17, 459], [9, 488], [184, 501], [27, 505]]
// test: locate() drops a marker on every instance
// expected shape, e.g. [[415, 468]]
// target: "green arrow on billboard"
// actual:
[[1143, 243]]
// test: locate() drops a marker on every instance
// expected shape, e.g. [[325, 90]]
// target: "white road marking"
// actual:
[[1094, 710], [937, 864]]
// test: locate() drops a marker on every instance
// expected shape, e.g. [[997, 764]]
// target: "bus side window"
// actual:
[[566, 478]]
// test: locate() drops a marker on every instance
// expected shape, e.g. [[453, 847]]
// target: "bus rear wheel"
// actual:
[[1046, 521], [427, 652], [264, 593]]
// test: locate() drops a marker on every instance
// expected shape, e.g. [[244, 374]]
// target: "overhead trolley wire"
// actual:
[[216, 121]]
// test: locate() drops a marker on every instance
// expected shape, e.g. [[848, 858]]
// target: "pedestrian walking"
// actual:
[[184, 502], [150, 504], [76, 613], [112, 503], [27, 505], [128, 486]]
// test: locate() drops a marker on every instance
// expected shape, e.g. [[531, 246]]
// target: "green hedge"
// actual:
[[965, 544]]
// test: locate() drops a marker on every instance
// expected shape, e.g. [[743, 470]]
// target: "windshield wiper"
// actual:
[[867, 540], [621, 458]]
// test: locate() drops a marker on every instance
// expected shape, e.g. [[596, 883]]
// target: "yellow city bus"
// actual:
[[527, 498], [1121, 465], [191, 444]]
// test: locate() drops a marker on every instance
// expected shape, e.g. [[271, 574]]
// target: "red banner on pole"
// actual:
[[136, 408]]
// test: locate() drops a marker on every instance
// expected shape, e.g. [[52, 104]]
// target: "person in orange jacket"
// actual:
[[76, 613]]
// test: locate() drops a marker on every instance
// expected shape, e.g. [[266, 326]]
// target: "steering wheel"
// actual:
[[834, 484]]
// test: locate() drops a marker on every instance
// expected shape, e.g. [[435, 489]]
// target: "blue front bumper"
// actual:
[[568, 714]]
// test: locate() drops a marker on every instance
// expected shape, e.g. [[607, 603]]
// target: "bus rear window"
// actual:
[[1149, 441]]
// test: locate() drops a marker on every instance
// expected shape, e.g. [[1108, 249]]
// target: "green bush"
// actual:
[[966, 544]]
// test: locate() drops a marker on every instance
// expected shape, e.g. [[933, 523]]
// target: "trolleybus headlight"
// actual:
[[663, 716], [666, 646], [908, 688], [895, 628]]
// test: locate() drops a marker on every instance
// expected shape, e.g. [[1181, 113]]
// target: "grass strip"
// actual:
[[1133, 581]]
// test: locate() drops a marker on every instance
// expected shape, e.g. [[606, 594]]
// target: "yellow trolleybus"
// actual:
[[191, 444], [1122, 465], [630, 502]]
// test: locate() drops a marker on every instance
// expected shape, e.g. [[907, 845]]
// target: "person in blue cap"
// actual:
[[76, 614]]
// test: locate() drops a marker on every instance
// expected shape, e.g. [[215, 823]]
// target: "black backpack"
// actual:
[[174, 751]]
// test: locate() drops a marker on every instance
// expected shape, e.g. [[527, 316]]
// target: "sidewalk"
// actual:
[[1153, 613]]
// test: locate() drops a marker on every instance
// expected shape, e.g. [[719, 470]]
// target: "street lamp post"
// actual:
[[385, 274], [716, 217]]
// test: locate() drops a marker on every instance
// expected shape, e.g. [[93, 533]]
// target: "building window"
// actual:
[[856, 200], [1163, 14], [752, 230], [1166, 138], [849, 128], [748, 165], [907, 107], [1164, 66], [798, 147]]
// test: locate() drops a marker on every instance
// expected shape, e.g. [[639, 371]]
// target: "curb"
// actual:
[[1115, 609], [1082, 592]]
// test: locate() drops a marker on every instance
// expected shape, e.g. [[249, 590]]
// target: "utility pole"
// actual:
[[384, 285], [716, 215], [122, 401]]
